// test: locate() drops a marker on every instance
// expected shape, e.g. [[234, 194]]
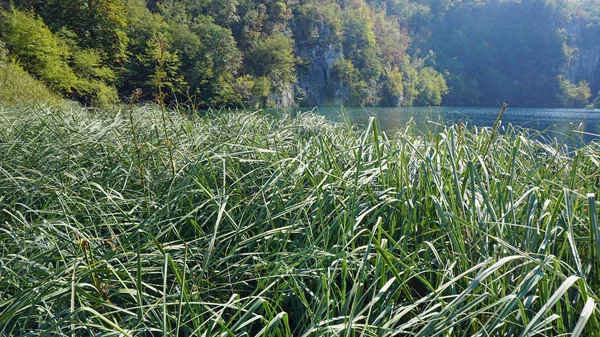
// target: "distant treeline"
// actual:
[[247, 53]]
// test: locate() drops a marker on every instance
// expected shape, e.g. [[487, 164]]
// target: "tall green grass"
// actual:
[[18, 87], [290, 227]]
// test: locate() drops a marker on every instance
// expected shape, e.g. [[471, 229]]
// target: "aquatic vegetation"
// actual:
[[290, 227]]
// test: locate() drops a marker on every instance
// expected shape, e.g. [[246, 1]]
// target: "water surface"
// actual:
[[555, 122]]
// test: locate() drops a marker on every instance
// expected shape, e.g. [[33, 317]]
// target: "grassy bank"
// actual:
[[17, 86], [144, 224]]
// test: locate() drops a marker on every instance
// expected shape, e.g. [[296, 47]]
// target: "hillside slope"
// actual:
[[265, 53]]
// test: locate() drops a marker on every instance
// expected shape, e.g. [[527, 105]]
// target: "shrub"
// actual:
[[573, 95], [431, 87]]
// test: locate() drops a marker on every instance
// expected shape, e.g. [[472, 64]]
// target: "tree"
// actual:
[[209, 58], [349, 77], [431, 86], [571, 95], [392, 41], [143, 27], [38, 50], [165, 78], [318, 22], [392, 90], [98, 24], [57, 60], [273, 58], [360, 45], [91, 87]]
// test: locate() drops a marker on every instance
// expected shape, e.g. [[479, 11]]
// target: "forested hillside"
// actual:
[[263, 53], [529, 53]]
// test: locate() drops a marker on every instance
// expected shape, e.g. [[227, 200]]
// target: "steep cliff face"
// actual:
[[585, 63], [284, 99], [318, 49], [315, 77]]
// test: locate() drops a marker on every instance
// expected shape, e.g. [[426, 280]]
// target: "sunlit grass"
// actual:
[[290, 227], [17, 86]]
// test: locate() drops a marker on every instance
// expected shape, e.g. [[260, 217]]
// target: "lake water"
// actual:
[[556, 122]]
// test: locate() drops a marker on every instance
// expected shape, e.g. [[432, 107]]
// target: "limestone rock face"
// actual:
[[315, 76], [285, 99], [318, 51], [585, 63]]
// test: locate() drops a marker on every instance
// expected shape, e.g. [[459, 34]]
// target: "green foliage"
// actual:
[[411, 74], [273, 57], [165, 79], [209, 59], [393, 88], [104, 95], [571, 95], [28, 4], [38, 50], [392, 40], [356, 52], [93, 75], [360, 45], [496, 51], [97, 93], [87, 63], [218, 52], [143, 28], [224, 12], [243, 90], [375, 67], [349, 77], [97, 24], [58, 62], [431, 86], [319, 22], [261, 87], [17, 86]]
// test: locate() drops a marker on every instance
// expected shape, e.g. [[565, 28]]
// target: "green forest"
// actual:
[[283, 53]]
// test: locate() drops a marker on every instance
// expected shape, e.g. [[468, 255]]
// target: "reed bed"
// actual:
[[136, 223]]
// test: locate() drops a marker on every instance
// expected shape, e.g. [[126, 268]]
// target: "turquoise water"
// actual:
[[556, 122]]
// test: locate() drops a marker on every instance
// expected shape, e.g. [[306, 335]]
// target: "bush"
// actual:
[[274, 58], [571, 95]]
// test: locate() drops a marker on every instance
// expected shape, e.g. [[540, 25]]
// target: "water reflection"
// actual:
[[556, 123]]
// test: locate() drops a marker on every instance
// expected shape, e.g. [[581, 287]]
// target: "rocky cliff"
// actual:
[[318, 52], [585, 61], [316, 82]]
